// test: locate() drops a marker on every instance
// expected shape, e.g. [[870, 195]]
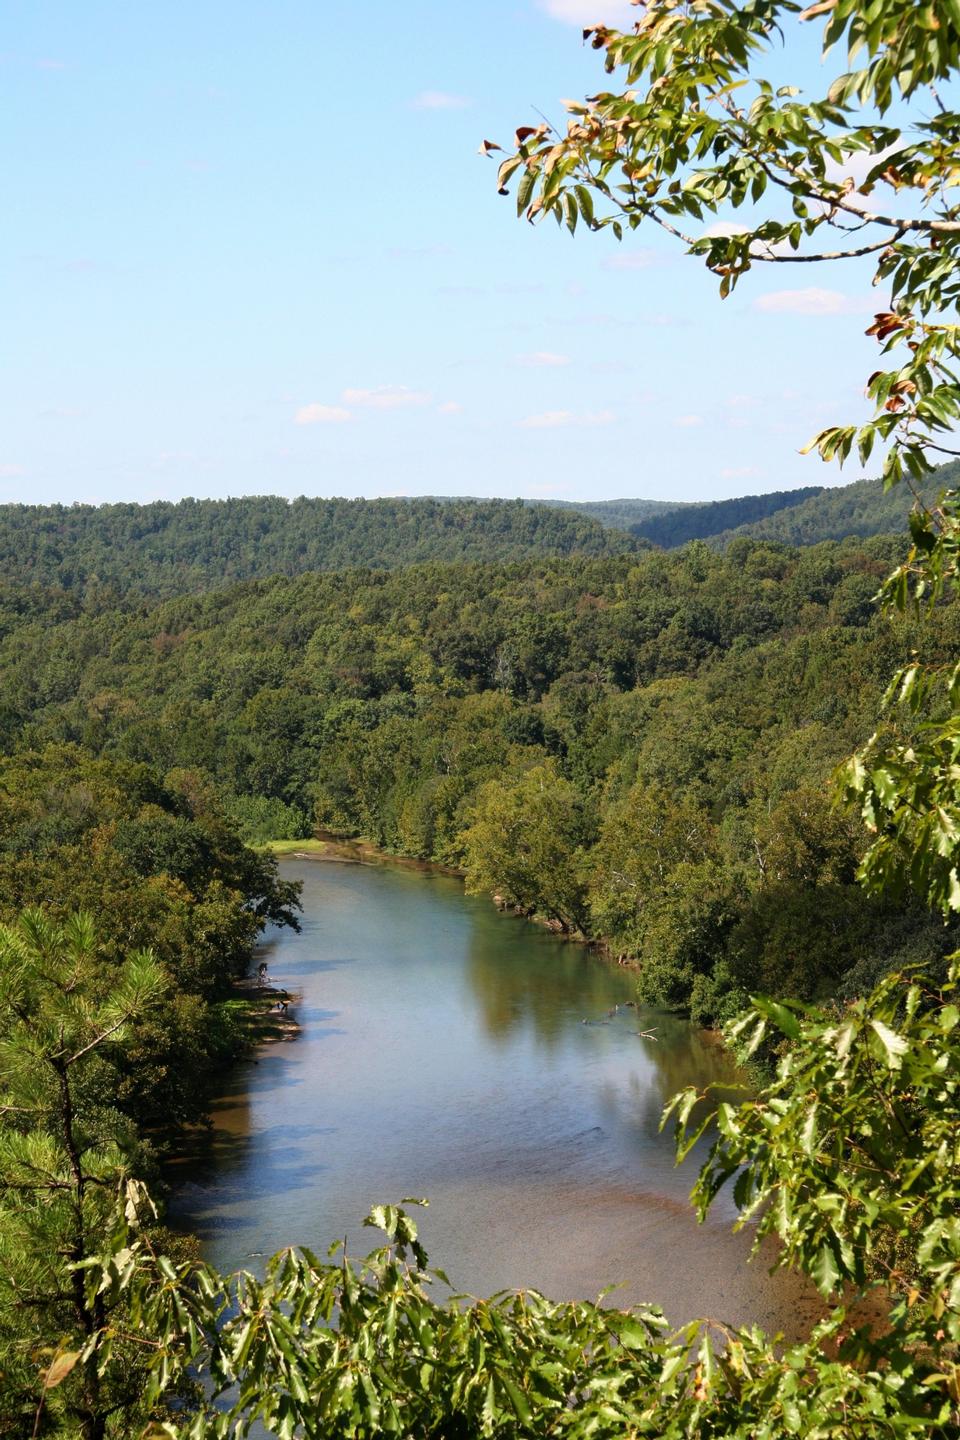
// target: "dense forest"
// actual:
[[165, 549], [697, 522], [636, 748], [617, 514], [863, 508], [792, 517], [172, 549]]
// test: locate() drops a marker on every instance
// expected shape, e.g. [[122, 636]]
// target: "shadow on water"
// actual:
[[219, 1190], [451, 1051]]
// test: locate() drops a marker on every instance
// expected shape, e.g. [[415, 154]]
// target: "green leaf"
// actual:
[[894, 1045], [824, 1271]]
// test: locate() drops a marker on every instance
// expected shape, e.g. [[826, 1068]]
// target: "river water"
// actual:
[[452, 1052]]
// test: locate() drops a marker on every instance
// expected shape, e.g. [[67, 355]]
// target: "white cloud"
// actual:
[[741, 472], [439, 100], [543, 359], [810, 301], [558, 419], [321, 415], [450, 407], [688, 422], [590, 12], [386, 397], [723, 227], [11, 472]]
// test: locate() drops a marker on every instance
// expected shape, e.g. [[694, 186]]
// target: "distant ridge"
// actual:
[[165, 549], [858, 509], [619, 514], [699, 522], [789, 517]]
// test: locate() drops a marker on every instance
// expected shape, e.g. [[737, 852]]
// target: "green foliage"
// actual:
[[157, 865], [107, 551], [850, 1158], [525, 841], [852, 1148], [385, 705], [697, 131], [259, 818], [64, 1149], [863, 508], [699, 522]]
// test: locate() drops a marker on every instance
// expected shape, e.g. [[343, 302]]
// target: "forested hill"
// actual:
[[859, 509], [621, 514], [683, 523], [166, 549], [790, 517], [637, 746]]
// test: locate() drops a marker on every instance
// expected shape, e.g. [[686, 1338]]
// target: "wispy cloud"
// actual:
[[590, 12], [322, 415], [450, 407], [439, 100], [49, 64], [543, 359], [811, 301], [558, 419], [386, 397], [11, 472], [688, 422]]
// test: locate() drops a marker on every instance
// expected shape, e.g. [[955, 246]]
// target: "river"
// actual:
[[453, 1052]]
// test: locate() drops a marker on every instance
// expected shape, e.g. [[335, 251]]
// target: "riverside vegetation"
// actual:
[[637, 748], [634, 745]]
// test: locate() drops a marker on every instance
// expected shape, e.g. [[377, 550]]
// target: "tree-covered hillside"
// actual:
[[862, 508], [635, 747], [169, 549], [791, 517], [619, 514], [697, 522]]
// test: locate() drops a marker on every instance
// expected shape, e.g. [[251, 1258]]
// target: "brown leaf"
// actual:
[[822, 8], [487, 145], [884, 324], [60, 1368]]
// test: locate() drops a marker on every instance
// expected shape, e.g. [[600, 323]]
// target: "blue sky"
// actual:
[[250, 248]]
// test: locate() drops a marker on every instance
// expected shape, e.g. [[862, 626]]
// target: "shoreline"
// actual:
[[327, 847], [330, 848], [263, 1023]]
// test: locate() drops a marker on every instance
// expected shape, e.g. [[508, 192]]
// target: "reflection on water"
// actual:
[[453, 1052]]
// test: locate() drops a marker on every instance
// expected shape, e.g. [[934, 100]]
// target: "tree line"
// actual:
[[170, 549]]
